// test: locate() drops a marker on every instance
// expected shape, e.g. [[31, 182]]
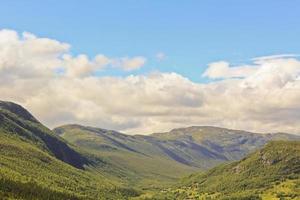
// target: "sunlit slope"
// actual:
[[144, 160], [231, 144], [163, 157], [37, 164], [270, 173]]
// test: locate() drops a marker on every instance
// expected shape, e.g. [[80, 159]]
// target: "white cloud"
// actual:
[[265, 97], [81, 66], [222, 69], [30, 56], [129, 64], [273, 73], [275, 57]]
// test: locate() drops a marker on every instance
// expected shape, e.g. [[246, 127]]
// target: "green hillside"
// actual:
[[78, 162], [18, 121], [162, 158], [36, 164], [141, 158], [270, 173], [231, 144]]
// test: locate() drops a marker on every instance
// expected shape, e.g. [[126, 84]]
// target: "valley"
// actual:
[[81, 162]]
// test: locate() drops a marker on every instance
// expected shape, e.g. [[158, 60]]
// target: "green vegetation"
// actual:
[[179, 152], [141, 163], [77, 162], [221, 142], [29, 169], [271, 173]]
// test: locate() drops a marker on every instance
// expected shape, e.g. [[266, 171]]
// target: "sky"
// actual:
[[142, 66], [190, 33]]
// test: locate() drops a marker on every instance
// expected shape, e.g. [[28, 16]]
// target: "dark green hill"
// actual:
[[37, 164], [270, 173], [16, 120]]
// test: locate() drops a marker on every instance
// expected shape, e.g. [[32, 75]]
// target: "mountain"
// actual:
[[79, 162], [270, 173], [143, 159], [35, 163], [18, 121], [225, 144], [164, 157]]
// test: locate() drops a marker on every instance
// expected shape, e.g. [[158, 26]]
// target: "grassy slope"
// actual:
[[145, 164], [32, 169], [163, 157], [270, 173], [18, 121], [35, 163], [233, 144]]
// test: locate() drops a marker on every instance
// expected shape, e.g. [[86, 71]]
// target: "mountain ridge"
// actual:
[[103, 161], [35, 163], [272, 172], [186, 150], [19, 121]]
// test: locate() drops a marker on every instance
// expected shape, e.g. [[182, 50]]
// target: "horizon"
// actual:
[[140, 67], [146, 134], [174, 129]]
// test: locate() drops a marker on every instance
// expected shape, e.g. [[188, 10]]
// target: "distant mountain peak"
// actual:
[[60, 129]]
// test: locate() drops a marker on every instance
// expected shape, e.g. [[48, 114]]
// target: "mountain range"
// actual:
[[81, 162]]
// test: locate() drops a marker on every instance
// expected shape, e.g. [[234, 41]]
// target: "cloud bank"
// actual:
[[42, 75]]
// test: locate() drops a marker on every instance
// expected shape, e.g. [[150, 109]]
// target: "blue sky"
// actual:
[[190, 33]]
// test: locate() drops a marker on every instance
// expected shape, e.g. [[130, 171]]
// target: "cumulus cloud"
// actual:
[[81, 66], [129, 64], [29, 56], [42, 75], [222, 69]]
